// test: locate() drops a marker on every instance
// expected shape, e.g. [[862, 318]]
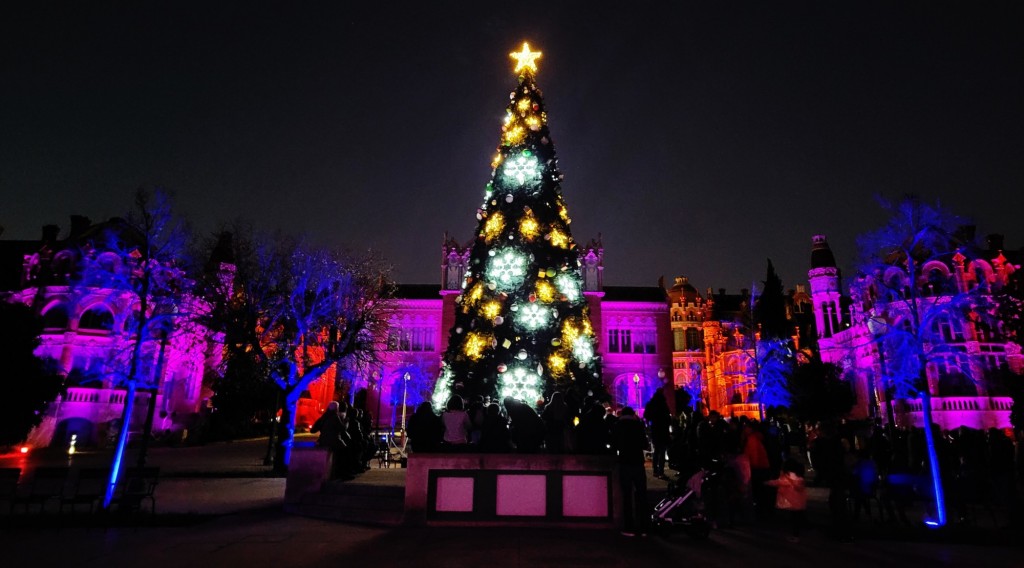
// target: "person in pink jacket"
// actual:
[[791, 495]]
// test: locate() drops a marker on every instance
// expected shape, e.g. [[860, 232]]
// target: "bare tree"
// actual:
[[139, 260], [311, 309]]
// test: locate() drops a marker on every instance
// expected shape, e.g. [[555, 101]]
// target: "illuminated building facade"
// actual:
[[630, 323], [846, 328], [647, 337], [88, 335], [713, 356]]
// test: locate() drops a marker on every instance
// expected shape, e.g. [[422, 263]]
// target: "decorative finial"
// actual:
[[526, 60]]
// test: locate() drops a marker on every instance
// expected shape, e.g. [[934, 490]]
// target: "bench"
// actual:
[[46, 483], [88, 489], [138, 484], [9, 485]]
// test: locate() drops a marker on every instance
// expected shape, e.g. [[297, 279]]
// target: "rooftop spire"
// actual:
[[821, 253]]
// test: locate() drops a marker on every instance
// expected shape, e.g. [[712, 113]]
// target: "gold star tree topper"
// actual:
[[526, 60]]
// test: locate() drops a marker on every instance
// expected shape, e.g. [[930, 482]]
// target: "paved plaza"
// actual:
[[217, 507]]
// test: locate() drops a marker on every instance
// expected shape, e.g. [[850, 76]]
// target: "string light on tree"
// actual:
[[514, 135], [557, 363], [532, 316], [520, 383], [568, 286], [583, 349], [545, 292], [442, 389], [476, 343], [491, 309], [521, 168], [507, 269], [529, 228], [492, 228], [558, 238]]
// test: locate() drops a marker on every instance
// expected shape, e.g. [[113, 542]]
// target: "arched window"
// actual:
[[980, 271], [63, 265], [936, 282], [56, 317], [96, 318], [109, 261]]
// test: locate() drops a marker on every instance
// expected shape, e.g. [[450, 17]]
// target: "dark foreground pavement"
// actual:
[[218, 507], [270, 538]]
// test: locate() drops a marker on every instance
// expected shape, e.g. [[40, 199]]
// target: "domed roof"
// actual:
[[682, 292]]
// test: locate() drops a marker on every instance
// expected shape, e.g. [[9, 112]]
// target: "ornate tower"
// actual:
[[824, 278]]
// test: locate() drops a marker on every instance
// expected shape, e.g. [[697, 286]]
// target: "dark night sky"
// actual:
[[697, 140]]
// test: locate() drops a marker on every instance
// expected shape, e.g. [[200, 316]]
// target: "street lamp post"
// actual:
[[405, 396], [636, 381], [380, 393]]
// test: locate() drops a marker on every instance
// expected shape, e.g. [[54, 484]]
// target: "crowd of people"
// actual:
[[870, 472], [346, 430], [560, 427]]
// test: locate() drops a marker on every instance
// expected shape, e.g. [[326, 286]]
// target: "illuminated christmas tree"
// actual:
[[522, 326]]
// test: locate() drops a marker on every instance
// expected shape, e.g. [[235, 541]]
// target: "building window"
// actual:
[[97, 319], [992, 356], [693, 339], [56, 318], [412, 339], [679, 339], [949, 330], [632, 341]]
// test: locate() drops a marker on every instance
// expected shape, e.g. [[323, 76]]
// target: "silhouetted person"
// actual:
[[359, 401], [591, 432], [494, 435], [830, 462], [525, 426], [629, 439], [424, 429], [709, 438], [475, 410], [659, 418], [333, 437], [556, 424], [457, 425], [760, 470]]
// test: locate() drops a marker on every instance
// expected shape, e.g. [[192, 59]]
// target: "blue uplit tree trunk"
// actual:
[[903, 320], [149, 245]]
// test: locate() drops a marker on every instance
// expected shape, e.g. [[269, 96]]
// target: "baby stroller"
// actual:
[[682, 506]]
